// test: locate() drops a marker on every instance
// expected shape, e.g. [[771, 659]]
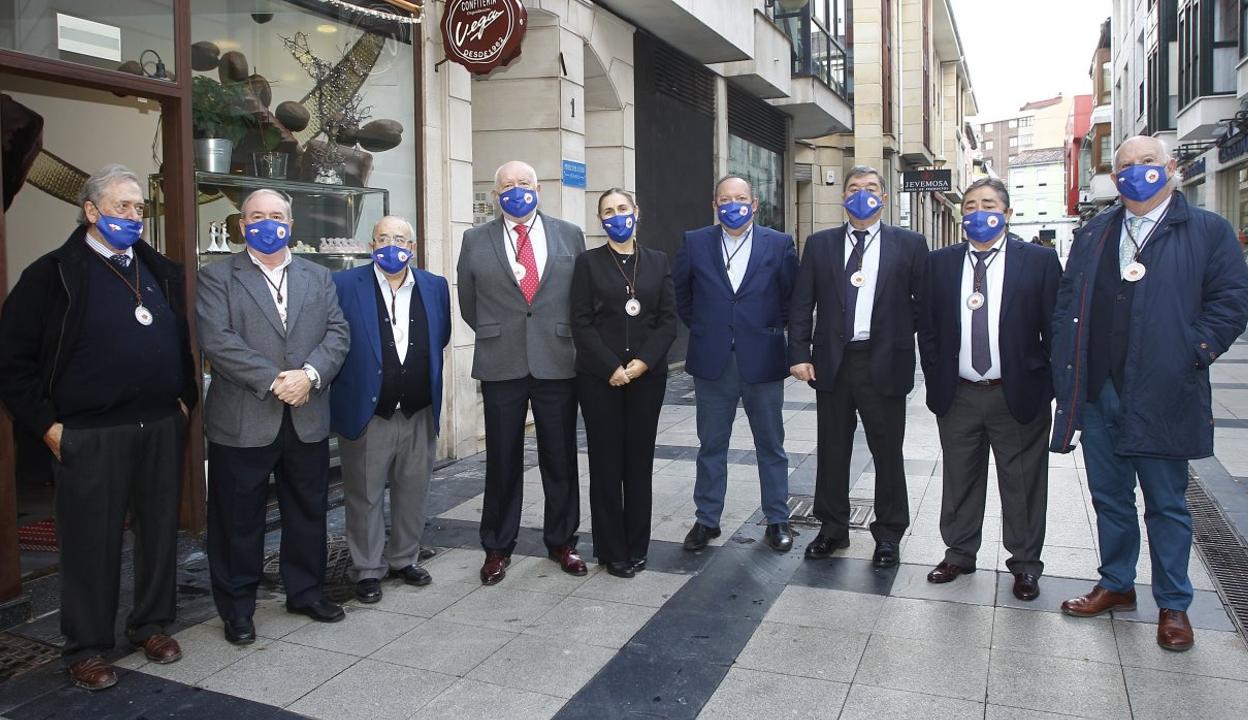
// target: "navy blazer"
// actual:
[[353, 400], [1029, 292], [821, 286], [755, 316]]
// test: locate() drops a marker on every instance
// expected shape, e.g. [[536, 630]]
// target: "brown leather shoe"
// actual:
[[567, 558], [161, 649], [1026, 586], [495, 568], [1099, 602], [1174, 632], [93, 674], [946, 572]]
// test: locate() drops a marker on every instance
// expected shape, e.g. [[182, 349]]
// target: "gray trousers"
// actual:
[[977, 421], [398, 452]]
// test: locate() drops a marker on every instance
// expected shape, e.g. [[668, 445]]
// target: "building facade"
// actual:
[[1037, 185], [1038, 124]]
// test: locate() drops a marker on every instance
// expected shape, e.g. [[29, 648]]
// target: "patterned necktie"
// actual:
[[121, 261], [851, 292], [524, 251], [981, 351], [1126, 248]]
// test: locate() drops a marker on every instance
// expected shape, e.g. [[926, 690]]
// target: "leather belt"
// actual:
[[981, 383]]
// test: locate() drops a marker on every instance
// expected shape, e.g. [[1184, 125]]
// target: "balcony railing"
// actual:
[[815, 52]]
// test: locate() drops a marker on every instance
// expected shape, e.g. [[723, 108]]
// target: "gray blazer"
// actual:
[[242, 337], [515, 340]]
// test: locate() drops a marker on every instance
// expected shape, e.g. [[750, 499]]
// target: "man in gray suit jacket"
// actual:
[[515, 284], [271, 329]]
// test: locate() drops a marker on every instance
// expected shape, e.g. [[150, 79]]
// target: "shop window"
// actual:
[[765, 170], [134, 36]]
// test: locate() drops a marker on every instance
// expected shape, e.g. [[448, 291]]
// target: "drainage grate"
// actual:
[[1222, 551], [802, 512], [20, 655], [338, 586]]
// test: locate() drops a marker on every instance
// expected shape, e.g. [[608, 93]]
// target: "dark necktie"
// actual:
[[981, 351], [121, 261], [851, 292]]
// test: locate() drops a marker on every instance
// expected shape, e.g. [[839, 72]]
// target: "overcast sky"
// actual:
[[1020, 50]]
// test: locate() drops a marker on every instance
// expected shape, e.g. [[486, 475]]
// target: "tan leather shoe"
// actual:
[[1174, 632], [1099, 602], [161, 649], [93, 674]]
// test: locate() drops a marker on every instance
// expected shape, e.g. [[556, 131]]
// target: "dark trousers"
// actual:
[[104, 473], [554, 413], [238, 488], [884, 419], [621, 424], [979, 420]]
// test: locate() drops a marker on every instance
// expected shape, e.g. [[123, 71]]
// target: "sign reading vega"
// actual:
[[483, 34]]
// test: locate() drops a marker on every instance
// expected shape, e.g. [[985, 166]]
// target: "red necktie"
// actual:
[[524, 251]]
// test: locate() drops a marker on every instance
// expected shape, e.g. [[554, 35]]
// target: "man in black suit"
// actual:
[[984, 336], [864, 280]]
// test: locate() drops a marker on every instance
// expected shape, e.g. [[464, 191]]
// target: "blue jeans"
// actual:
[[717, 409], [1111, 480]]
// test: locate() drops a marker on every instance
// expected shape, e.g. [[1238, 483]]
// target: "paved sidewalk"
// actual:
[[737, 631]]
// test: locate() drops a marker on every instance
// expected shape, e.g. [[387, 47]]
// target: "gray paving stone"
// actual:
[[500, 608], [279, 673], [928, 668], [1216, 654], [272, 620], [1205, 613], [835, 609], [936, 621], [444, 647], [474, 700], [592, 622], [873, 703], [648, 588], [543, 665], [749, 695], [459, 565], [361, 633], [539, 574], [1000, 712], [1159, 695], [1055, 635], [204, 652], [371, 690], [1066, 562], [1053, 591], [979, 588], [1059, 685], [426, 601], [819, 653]]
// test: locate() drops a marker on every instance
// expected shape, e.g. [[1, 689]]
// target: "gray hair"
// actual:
[[411, 231], [100, 181], [267, 191], [528, 168], [1003, 193], [734, 176], [1163, 150], [863, 171]]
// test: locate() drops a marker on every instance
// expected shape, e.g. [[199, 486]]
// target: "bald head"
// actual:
[[1141, 150], [393, 229]]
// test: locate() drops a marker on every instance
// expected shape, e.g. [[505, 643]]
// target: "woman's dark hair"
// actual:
[[616, 191]]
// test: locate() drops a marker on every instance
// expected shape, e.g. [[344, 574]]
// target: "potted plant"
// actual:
[[216, 123]]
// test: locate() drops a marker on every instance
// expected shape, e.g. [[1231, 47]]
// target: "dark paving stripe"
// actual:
[[1234, 361], [1229, 386], [1229, 423], [842, 573]]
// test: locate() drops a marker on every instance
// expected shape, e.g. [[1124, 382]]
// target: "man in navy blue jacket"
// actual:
[[984, 336], [733, 282], [1155, 290]]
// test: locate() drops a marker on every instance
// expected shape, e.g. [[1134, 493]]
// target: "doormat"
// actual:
[[19, 655], [38, 536]]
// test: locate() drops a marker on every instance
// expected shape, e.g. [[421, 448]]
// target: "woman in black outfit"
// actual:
[[623, 322]]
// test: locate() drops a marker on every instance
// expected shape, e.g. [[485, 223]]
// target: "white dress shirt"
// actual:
[[401, 302], [277, 281], [105, 251], [871, 271], [537, 237], [1151, 220], [738, 249], [993, 293]]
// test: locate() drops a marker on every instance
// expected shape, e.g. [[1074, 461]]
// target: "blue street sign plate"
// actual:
[[574, 174]]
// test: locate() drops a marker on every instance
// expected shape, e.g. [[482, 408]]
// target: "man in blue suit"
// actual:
[[733, 282], [385, 405], [984, 335], [864, 280]]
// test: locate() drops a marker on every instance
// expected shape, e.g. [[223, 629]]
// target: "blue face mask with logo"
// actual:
[[518, 202], [736, 215], [267, 236], [982, 225], [392, 259], [119, 232], [863, 204], [620, 227], [1141, 182]]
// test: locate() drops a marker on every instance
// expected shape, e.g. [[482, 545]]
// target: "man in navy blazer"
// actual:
[[984, 336], [733, 281], [864, 280], [386, 403]]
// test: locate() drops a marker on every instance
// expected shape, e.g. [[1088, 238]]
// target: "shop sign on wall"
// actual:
[[927, 181], [574, 174], [483, 34]]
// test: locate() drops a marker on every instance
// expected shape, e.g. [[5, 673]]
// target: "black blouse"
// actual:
[[606, 337]]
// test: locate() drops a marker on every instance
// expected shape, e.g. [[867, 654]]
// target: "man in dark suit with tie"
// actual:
[[733, 281], [984, 336], [864, 280]]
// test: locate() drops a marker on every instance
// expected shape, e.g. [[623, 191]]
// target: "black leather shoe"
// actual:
[[1026, 587], [639, 564], [699, 536], [368, 590], [240, 632], [413, 575], [779, 537], [321, 611], [621, 569], [823, 547], [887, 554]]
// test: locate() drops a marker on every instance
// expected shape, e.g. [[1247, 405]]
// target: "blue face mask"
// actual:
[[982, 225], [392, 259], [267, 236], [119, 232], [863, 204], [735, 215], [620, 227], [518, 202], [1141, 182]]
